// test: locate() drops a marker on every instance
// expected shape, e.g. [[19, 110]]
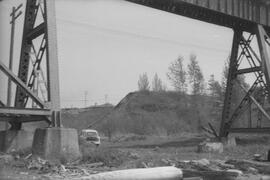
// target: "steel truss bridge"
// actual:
[[242, 16]]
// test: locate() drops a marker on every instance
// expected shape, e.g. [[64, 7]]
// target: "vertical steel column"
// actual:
[[223, 132], [265, 56], [29, 20], [52, 62]]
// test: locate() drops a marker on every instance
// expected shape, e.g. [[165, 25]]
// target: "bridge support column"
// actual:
[[244, 107], [229, 141], [56, 144], [16, 140]]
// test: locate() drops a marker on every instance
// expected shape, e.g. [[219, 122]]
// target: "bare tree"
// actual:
[[195, 76], [214, 87], [157, 84], [143, 83], [177, 75]]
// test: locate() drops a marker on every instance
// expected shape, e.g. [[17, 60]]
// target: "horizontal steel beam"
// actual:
[[236, 14], [19, 82], [5, 111], [250, 130], [37, 31], [249, 70], [25, 119]]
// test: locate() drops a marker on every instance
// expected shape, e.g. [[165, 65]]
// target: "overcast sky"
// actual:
[[105, 44]]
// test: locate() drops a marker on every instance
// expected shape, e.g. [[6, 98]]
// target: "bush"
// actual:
[[108, 156]]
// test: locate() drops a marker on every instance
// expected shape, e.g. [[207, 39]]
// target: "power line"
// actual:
[[132, 34]]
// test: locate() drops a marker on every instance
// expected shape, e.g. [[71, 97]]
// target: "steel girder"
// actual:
[[241, 14], [39, 44], [257, 93]]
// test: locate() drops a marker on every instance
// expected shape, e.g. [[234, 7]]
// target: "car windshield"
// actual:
[[91, 134]]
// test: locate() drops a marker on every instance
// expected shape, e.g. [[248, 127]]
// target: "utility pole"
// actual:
[[13, 16], [12, 22], [85, 98], [106, 98]]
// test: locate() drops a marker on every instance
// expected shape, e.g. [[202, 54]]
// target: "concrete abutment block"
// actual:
[[229, 141], [15, 140], [56, 144]]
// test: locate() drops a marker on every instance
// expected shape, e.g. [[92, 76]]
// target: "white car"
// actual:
[[91, 135]]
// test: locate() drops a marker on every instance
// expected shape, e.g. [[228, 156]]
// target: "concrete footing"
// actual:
[[15, 141], [229, 141], [56, 144]]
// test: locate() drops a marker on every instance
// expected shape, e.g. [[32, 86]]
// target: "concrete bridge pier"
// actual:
[[229, 141], [16, 140], [56, 144]]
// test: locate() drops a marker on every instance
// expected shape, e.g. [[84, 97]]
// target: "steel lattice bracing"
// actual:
[[258, 94], [252, 16], [38, 60]]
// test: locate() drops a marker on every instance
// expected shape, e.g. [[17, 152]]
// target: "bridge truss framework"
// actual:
[[39, 45]]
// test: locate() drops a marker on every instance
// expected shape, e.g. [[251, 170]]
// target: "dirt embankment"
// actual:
[[146, 113]]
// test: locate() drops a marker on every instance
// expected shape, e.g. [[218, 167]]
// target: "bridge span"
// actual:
[[251, 16]]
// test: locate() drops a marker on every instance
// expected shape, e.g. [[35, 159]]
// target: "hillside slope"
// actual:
[[159, 113], [155, 113], [82, 118]]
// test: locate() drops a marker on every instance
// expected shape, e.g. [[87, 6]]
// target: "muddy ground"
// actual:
[[137, 152]]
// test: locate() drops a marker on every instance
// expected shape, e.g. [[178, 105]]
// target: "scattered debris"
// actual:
[[223, 164], [257, 157], [265, 178], [210, 147], [28, 156], [252, 170], [236, 171], [245, 165], [133, 155], [6, 158]]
